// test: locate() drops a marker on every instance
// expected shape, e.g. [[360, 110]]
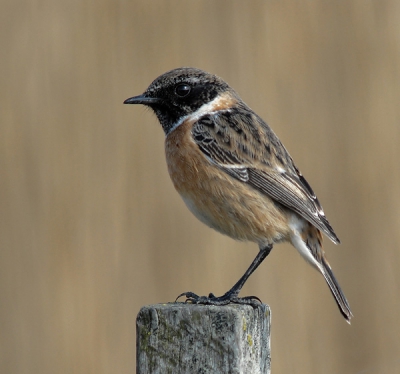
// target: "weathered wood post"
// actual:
[[187, 338]]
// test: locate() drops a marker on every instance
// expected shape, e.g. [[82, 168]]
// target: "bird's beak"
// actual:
[[141, 99]]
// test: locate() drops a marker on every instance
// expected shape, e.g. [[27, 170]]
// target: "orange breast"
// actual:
[[217, 199]]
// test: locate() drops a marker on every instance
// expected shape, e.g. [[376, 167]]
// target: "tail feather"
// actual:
[[307, 239], [337, 292]]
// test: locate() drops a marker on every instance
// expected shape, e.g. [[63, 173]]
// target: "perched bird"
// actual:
[[235, 175]]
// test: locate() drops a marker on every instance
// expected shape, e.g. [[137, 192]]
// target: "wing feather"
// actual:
[[254, 155]]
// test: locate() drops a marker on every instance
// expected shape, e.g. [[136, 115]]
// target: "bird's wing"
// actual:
[[253, 154]]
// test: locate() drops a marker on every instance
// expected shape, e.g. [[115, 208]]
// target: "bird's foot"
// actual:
[[211, 299]]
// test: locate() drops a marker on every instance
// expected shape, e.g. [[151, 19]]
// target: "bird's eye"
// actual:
[[182, 90]]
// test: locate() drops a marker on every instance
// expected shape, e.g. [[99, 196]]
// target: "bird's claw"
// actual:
[[211, 299]]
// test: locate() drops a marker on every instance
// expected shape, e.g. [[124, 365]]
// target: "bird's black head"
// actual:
[[178, 93]]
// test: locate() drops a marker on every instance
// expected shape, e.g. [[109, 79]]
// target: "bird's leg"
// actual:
[[232, 295]]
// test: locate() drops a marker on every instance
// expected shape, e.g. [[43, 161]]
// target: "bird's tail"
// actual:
[[308, 241], [337, 292]]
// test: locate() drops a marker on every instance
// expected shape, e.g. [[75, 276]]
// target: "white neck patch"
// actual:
[[221, 102]]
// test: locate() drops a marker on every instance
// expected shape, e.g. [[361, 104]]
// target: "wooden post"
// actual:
[[187, 338]]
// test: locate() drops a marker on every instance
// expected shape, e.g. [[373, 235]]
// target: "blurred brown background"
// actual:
[[91, 228]]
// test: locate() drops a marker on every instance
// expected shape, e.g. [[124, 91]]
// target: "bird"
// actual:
[[235, 175]]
